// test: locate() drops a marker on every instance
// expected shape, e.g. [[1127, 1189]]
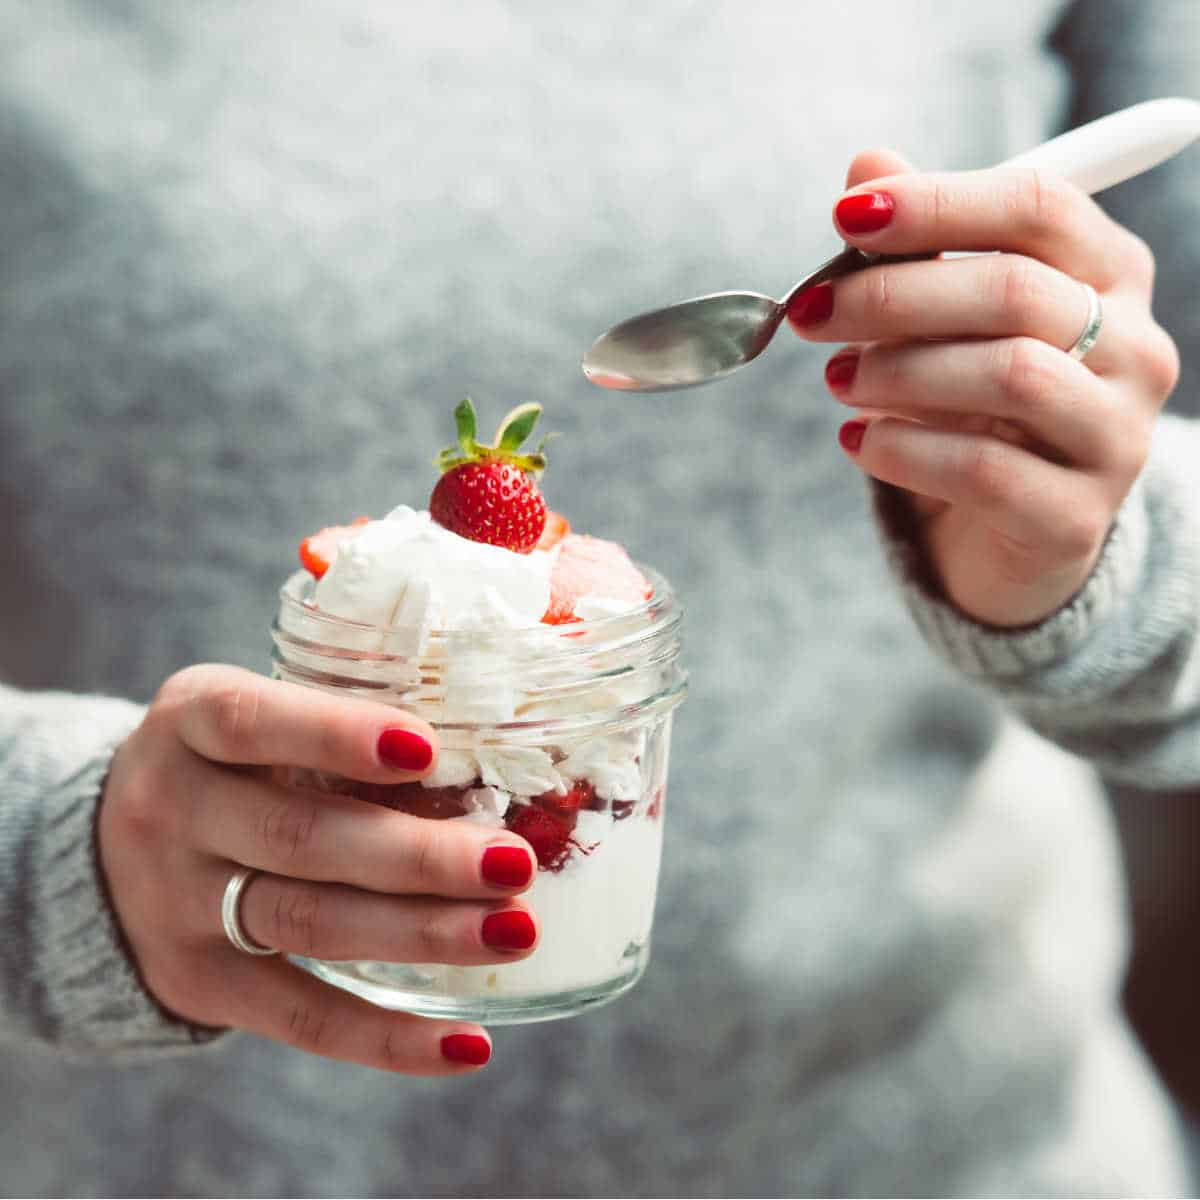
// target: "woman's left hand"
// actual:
[[1017, 456]]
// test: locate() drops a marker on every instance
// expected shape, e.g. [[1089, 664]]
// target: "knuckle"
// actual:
[[138, 803], [1159, 362], [185, 685], [391, 1054], [1130, 448], [1029, 375], [171, 980], [231, 708], [880, 297], [941, 202], [1020, 289], [433, 936], [287, 828], [426, 850], [887, 458], [1043, 203], [1138, 258], [296, 917], [308, 1027], [1078, 530], [987, 472]]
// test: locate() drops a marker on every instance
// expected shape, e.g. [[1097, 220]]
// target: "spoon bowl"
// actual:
[[685, 344]]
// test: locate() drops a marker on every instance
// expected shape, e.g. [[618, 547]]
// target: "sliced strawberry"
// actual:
[[557, 528], [547, 833], [579, 795], [317, 550], [655, 809], [588, 565]]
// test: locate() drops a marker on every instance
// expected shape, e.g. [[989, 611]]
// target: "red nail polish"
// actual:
[[851, 435], [811, 306], [405, 749], [840, 371], [866, 212], [506, 866], [467, 1048], [512, 929]]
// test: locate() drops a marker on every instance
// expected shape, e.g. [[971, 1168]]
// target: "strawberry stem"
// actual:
[[516, 427]]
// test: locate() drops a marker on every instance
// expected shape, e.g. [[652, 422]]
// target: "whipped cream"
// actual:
[[407, 570]]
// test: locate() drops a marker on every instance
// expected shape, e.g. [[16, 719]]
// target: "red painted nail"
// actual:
[[512, 929], [405, 749], [866, 212], [467, 1048], [840, 370], [506, 866], [811, 306], [851, 435]]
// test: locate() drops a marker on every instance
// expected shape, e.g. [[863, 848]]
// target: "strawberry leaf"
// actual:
[[466, 425], [516, 427], [450, 458], [534, 464]]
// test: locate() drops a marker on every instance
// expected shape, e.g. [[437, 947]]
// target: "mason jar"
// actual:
[[560, 733]]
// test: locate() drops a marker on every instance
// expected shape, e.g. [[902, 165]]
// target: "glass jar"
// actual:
[[559, 733]]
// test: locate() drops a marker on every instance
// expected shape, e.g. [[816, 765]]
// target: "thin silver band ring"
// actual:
[[231, 916], [1091, 330]]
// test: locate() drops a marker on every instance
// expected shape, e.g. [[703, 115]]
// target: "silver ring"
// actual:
[[230, 916], [1091, 330]]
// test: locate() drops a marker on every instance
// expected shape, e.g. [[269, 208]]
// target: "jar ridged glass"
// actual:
[[560, 733]]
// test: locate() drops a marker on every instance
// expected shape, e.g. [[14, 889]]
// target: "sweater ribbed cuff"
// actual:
[[982, 651], [92, 998]]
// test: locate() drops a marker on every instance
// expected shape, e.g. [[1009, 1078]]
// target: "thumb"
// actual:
[[874, 164]]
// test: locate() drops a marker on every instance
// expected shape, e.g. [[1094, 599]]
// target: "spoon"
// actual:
[[709, 337]]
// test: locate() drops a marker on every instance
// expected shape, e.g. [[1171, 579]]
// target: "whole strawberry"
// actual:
[[488, 493]]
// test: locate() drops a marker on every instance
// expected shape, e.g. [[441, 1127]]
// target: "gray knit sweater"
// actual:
[[251, 255]]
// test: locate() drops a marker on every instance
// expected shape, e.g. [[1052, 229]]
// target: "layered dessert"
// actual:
[[547, 660]]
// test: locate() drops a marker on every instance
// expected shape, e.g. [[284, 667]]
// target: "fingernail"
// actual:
[[866, 212], [467, 1048], [512, 929], [811, 306], [506, 866], [851, 435], [405, 749], [840, 370]]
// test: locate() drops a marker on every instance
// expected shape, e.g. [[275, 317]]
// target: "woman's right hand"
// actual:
[[190, 799]]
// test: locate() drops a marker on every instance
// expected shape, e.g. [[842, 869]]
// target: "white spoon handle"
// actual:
[[1117, 147]]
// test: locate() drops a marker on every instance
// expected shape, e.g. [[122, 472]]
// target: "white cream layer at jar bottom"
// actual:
[[590, 913]]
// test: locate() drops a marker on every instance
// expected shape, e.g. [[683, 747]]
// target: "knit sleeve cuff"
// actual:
[[92, 998], [985, 652]]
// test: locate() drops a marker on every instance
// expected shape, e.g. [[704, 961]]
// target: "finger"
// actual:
[[1023, 497], [1020, 210], [234, 716], [340, 839], [1001, 295], [875, 164], [339, 923], [1064, 411], [273, 998]]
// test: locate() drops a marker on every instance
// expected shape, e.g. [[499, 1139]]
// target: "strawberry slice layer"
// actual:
[[317, 550], [557, 528], [589, 565]]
